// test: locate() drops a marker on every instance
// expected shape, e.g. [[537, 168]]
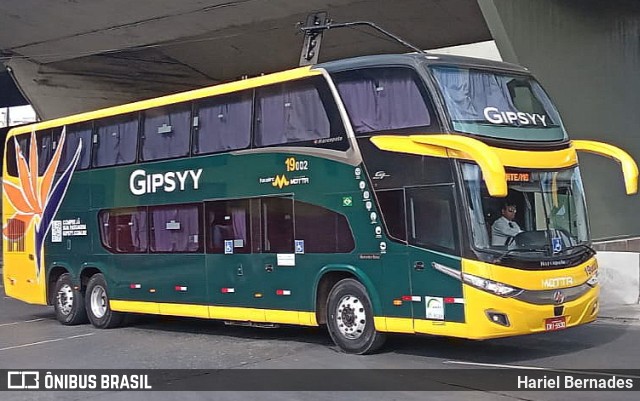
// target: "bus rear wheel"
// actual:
[[350, 318], [97, 300], [69, 302]]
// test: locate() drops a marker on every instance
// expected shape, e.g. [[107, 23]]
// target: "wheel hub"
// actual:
[[98, 301], [350, 317], [64, 299]]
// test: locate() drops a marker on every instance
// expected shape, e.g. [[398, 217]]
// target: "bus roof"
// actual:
[[415, 58], [283, 76]]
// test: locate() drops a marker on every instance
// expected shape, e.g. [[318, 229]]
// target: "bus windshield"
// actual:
[[498, 105], [544, 212]]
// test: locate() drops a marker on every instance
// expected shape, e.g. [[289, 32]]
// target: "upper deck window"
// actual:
[[166, 132], [45, 149], [224, 123], [115, 141], [383, 99], [498, 105], [24, 141], [300, 111], [75, 134]]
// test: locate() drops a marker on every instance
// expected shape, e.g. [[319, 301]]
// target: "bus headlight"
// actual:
[[594, 279], [491, 286]]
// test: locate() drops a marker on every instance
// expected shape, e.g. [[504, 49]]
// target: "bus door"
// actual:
[[432, 236], [233, 271], [281, 265]]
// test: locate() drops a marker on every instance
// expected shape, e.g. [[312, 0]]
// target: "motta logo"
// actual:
[[141, 183], [557, 282], [280, 181], [495, 116]]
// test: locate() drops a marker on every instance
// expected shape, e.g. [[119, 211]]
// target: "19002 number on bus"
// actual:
[[296, 165]]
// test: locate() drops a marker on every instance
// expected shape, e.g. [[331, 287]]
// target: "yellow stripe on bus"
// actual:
[[217, 312]]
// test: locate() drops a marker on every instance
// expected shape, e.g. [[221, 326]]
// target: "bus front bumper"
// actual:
[[490, 316]]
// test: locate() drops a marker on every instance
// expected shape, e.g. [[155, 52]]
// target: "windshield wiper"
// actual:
[[510, 251]]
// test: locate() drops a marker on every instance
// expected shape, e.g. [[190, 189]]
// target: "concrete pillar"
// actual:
[[587, 55]]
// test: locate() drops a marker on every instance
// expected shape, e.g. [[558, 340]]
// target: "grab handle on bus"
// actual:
[[419, 265]]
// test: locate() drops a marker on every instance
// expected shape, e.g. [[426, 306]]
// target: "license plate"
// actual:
[[555, 323]]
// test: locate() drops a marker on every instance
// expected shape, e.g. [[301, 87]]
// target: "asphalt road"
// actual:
[[31, 338]]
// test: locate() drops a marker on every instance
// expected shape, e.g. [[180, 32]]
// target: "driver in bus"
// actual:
[[505, 226]]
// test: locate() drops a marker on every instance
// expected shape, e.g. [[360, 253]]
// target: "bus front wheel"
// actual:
[[97, 300], [69, 302], [350, 318]]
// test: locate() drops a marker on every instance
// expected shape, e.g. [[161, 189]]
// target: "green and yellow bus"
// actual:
[[363, 194]]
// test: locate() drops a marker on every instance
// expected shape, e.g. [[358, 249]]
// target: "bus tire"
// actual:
[[69, 302], [350, 318], [97, 301]]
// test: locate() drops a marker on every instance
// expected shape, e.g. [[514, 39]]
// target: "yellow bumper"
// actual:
[[524, 318]]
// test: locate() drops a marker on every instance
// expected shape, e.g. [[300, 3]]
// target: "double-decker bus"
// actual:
[[363, 194]]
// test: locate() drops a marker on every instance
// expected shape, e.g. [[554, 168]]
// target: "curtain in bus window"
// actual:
[[24, 141], [223, 124], [239, 220], [175, 229], [167, 131], [291, 112], [116, 141], [228, 221], [44, 150], [139, 237], [11, 156], [105, 233], [75, 133], [383, 99], [124, 230], [467, 92]]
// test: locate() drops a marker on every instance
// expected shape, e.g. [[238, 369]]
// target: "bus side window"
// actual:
[[223, 123], [431, 218], [228, 221], [392, 208], [175, 228], [45, 144], [322, 230], [382, 99], [115, 141], [74, 134], [24, 140], [166, 132], [124, 230], [290, 112], [277, 225]]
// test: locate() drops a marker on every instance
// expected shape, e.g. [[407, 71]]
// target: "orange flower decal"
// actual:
[[37, 198], [30, 197]]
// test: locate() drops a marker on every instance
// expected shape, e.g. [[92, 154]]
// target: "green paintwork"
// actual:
[[387, 276]]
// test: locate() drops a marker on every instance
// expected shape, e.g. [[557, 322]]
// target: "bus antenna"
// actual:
[[319, 22]]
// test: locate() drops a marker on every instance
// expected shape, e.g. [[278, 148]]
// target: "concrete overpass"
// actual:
[[72, 56]]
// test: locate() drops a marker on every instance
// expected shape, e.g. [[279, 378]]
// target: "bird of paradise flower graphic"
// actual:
[[36, 199]]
